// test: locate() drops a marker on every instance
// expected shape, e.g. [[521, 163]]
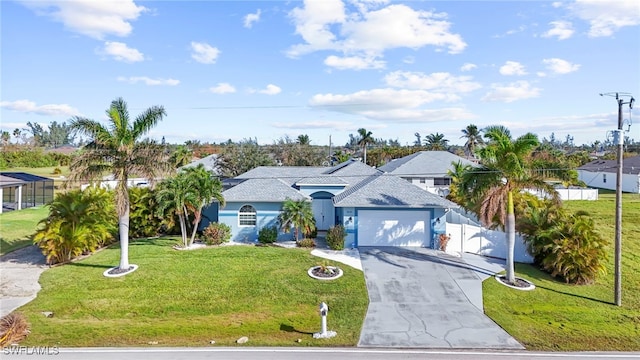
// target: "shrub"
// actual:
[[306, 243], [335, 237], [444, 240], [13, 329], [313, 233], [216, 233], [57, 171], [268, 235], [143, 221]]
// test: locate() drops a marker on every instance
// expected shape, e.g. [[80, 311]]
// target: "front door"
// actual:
[[324, 213]]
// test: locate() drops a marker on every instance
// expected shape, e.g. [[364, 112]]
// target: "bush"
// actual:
[[335, 237], [216, 233], [13, 329], [268, 235], [313, 233], [306, 243], [444, 240], [57, 171], [143, 221]]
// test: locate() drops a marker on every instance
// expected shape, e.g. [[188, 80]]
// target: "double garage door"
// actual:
[[394, 228]]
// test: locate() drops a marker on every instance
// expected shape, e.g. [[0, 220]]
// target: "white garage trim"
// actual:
[[393, 228]]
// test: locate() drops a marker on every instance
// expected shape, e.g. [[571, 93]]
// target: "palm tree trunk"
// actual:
[[196, 222], [123, 229], [511, 239], [183, 230], [365, 153]]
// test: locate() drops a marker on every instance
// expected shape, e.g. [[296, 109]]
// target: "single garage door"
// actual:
[[394, 228]]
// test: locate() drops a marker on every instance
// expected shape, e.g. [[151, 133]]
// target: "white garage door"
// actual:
[[393, 228]]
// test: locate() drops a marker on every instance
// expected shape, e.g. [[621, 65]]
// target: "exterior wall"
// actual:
[[630, 183], [266, 215], [429, 185], [348, 217], [478, 240], [209, 215]]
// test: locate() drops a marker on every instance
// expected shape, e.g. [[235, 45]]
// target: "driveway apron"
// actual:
[[420, 298]]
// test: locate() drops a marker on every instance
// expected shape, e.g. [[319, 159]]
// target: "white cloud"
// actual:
[[468, 67], [439, 82], [512, 68], [560, 66], [328, 25], [27, 106], [518, 90], [353, 63], [222, 88], [562, 29], [204, 53], [607, 17], [409, 60], [269, 90], [95, 19], [121, 52], [249, 19], [148, 81], [338, 125]]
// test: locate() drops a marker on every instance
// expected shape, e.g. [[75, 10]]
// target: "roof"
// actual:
[[322, 180], [210, 163], [389, 191], [25, 176], [629, 166], [6, 181], [289, 174], [262, 190], [432, 163]]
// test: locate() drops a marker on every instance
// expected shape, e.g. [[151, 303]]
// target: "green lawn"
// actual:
[[556, 316], [16, 227], [188, 298]]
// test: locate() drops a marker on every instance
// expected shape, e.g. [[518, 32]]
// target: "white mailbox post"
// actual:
[[324, 334]]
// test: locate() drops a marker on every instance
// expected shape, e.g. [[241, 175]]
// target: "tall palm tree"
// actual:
[[173, 196], [504, 171], [303, 139], [181, 156], [436, 142], [297, 214], [365, 138], [118, 149], [474, 139], [206, 188]]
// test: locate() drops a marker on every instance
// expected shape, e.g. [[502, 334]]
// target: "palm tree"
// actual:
[[504, 171], [436, 142], [303, 139], [181, 156], [297, 214], [205, 188], [365, 138], [173, 196], [474, 139], [118, 149]]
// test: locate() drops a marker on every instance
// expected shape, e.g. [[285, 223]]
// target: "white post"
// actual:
[[324, 334], [19, 197]]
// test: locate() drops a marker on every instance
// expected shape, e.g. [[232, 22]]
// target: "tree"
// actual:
[[297, 214], [120, 151], [17, 134], [173, 196], [436, 142], [418, 141], [474, 139], [181, 156], [5, 137], [365, 138], [239, 158], [206, 188], [303, 139], [504, 171]]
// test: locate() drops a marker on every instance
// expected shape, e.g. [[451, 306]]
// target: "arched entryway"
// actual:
[[323, 210]]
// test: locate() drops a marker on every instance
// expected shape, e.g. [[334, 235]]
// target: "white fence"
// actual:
[[481, 241], [571, 193]]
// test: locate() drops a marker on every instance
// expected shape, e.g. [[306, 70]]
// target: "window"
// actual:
[[442, 181], [247, 216], [422, 180], [604, 178]]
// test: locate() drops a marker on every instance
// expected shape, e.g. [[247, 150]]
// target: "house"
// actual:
[[210, 163], [603, 173], [426, 169], [376, 209], [20, 190]]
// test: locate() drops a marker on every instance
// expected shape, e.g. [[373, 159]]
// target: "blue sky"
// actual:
[[266, 69]]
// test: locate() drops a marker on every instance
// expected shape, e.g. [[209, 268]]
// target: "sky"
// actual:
[[269, 69]]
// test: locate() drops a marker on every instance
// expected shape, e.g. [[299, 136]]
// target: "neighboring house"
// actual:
[[210, 163], [602, 174], [426, 169], [376, 209], [109, 183], [20, 190]]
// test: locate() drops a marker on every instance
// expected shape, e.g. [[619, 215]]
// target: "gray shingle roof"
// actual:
[[322, 180], [262, 190], [389, 191], [289, 174], [432, 163], [629, 166], [210, 163]]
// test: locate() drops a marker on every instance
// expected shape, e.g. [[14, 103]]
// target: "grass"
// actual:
[[557, 316], [17, 227], [188, 298]]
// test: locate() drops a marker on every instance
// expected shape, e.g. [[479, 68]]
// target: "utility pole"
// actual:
[[618, 236]]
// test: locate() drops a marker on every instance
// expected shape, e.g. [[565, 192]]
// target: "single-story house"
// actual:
[[376, 209], [426, 169], [602, 174], [20, 190]]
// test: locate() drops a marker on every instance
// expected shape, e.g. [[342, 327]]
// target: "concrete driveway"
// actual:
[[420, 298]]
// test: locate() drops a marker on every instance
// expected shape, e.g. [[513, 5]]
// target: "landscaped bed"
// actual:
[[189, 298], [556, 316]]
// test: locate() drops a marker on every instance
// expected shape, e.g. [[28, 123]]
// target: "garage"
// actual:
[[393, 227]]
